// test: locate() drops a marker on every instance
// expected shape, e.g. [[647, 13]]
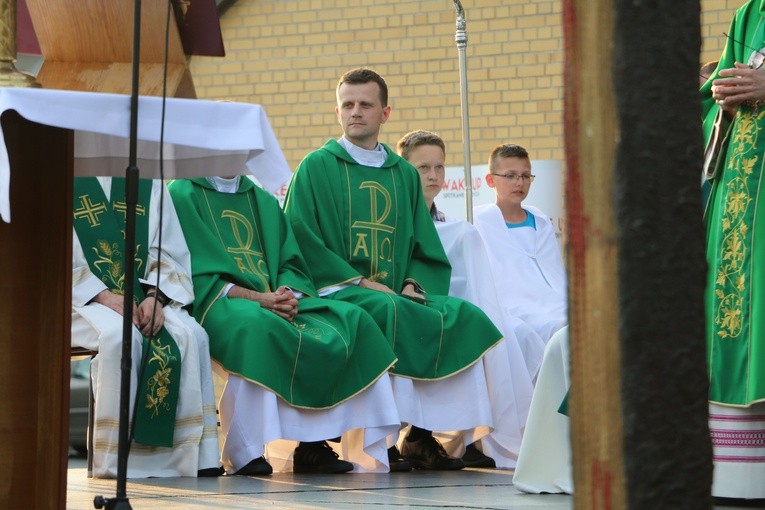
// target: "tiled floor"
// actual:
[[467, 489], [473, 489]]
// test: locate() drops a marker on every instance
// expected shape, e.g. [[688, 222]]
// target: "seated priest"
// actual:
[[471, 279], [175, 421], [298, 367], [359, 216]]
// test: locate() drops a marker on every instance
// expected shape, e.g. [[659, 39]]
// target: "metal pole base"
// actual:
[[112, 503]]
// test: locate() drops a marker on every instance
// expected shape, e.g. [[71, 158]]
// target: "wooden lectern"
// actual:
[[87, 46], [35, 321]]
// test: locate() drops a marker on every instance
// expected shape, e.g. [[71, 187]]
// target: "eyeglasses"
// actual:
[[516, 177]]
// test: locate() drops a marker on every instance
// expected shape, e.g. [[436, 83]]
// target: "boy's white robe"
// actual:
[[528, 268]]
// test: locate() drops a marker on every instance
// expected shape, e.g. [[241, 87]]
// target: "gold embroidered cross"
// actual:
[[89, 210], [122, 207]]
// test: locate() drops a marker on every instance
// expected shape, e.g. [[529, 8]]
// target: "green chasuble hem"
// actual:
[[298, 406], [450, 374]]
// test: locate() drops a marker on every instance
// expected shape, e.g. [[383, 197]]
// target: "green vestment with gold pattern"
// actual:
[[330, 351], [735, 301], [352, 221]]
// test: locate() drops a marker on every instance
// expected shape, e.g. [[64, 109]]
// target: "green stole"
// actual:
[[98, 222]]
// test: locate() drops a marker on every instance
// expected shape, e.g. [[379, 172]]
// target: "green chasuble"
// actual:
[[735, 301], [352, 221], [330, 352]]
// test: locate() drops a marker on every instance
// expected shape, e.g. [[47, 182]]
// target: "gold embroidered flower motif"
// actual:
[[159, 382], [731, 281], [737, 203], [748, 164], [729, 320], [734, 250]]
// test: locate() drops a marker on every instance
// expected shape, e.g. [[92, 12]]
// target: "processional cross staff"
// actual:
[[460, 37]]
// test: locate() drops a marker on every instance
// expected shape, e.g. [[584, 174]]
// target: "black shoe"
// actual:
[[396, 462], [427, 453], [475, 458], [210, 472], [256, 467], [318, 457]]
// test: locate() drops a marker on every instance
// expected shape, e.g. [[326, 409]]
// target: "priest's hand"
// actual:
[[369, 284], [285, 304], [409, 290], [737, 85], [282, 302], [115, 301], [145, 311]]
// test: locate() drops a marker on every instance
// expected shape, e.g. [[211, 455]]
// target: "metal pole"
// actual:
[[460, 37], [121, 501]]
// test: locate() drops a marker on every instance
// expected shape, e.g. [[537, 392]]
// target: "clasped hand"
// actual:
[[282, 302], [142, 314], [737, 85]]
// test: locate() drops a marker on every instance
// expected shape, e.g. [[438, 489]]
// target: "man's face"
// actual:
[[429, 162], [361, 113], [506, 179]]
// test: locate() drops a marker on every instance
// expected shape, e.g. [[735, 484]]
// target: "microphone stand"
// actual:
[[460, 37], [120, 501]]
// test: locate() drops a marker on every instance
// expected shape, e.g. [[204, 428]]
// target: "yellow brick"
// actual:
[[288, 56]]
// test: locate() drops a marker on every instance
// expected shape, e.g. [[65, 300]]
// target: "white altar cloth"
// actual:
[[201, 138]]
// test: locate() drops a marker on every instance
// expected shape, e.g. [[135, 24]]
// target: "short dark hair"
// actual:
[[507, 150], [414, 139], [364, 75]]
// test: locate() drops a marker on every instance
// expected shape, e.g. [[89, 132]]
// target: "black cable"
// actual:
[[162, 153]]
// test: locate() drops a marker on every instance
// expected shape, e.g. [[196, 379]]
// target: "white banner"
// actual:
[[546, 192]]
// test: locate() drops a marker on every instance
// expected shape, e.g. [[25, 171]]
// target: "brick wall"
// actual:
[[288, 54]]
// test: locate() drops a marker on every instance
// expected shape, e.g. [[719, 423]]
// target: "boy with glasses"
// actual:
[[521, 243], [513, 364]]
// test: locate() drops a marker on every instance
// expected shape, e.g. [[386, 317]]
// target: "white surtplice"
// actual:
[[97, 327], [544, 464]]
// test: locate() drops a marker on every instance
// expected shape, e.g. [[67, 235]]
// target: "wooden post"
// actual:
[[636, 256], [590, 141]]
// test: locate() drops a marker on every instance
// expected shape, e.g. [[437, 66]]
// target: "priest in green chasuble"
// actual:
[[176, 430], [360, 218], [299, 368], [735, 300]]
